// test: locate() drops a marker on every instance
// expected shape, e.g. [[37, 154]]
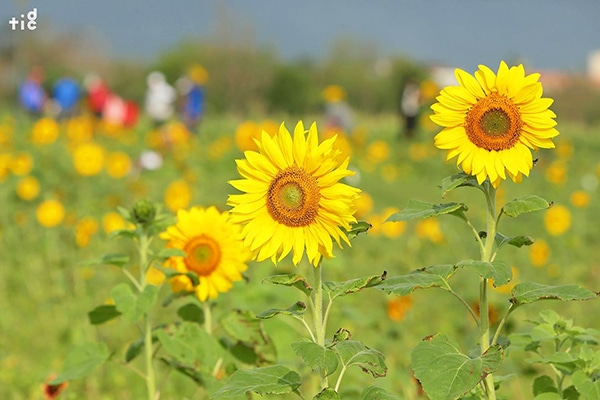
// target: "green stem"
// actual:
[[318, 318], [501, 324], [488, 251], [150, 380], [207, 317], [467, 306]]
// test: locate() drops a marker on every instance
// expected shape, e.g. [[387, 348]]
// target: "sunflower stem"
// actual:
[[318, 318], [150, 379], [207, 317], [488, 251]]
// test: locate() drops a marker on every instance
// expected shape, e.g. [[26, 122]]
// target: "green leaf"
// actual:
[[125, 213], [544, 384], [517, 241], [247, 331], [548, 396], [353, 352], [445, 372], [132, 307], [124, 233], [292, 280], [420, 209], [528, 292], [168, 253], [499, 271], [274, 379], [81, 361], [327, 394], [192, 345], [430, 277], [585, 386], [118, 260], [461, 179], [297, 309], [102, 314], [192, 313], [524, 205], [375, 393], [336, 289], [316, 357], [135, 348], [170, 273], [357, 228]]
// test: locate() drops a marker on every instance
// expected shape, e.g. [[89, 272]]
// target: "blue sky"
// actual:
[[545, 34]]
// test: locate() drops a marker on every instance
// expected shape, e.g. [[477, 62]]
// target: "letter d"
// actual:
[[32, 16]]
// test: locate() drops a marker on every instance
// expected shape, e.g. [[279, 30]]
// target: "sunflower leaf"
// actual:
[[524, 205], [585, 386], [336, 289], [353, 352], [164, 254], [81, 361], [461, 179], [421, 209], [445, 372], [316, 356], [274, 379], [327, 394], [376, 393], [499, 271], [517, 241], [293, 280], [528, 292], [357, 228], [118, 260], [297, 309], [102, 314], [430, 277]]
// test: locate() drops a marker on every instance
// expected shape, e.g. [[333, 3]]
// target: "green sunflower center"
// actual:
[[293, 197], [494, 123], [203, 255]]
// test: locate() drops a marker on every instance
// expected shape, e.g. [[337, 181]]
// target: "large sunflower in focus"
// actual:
[[214, 251], [491, 121], [293, 199]]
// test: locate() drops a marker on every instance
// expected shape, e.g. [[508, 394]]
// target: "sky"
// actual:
[[545, 34]]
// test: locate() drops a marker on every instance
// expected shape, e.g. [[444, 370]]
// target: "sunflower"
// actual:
[[491, 121], [214, 251], [293, 199]]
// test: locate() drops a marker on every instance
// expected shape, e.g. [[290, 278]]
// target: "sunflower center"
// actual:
[[293, 197], [203, 255], [494, 123]]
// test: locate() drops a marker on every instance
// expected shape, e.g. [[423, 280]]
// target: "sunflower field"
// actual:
[[153, 262]]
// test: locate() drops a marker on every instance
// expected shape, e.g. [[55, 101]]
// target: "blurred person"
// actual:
[[66, 97], [160, 99], [32, 96], [410, 103], [97, 93], [338, 115], [191, 88]]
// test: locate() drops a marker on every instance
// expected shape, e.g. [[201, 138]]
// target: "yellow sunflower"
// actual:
[[214, 251], [491, 121], [293, 199]]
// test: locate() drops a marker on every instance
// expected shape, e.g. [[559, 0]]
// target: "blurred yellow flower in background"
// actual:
[[45, 131], [557, 220], [334, 93], [84, 230], [363, 204], [506, 289], [28, 188], [118, 164], [392, 229], [418, 151], [564, 149], [214, 251], [556, 172], [20, 164], [378, 151], [113, 221], [50, 213], [580, 198], [178, 195], [245, 134], [80, 129], [539, 253], [398, 307], [88, 159], [430, 229]]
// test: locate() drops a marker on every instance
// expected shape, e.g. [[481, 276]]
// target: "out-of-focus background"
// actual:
[[111, 101]]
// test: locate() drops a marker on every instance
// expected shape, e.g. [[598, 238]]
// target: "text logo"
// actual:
[[21, 24]]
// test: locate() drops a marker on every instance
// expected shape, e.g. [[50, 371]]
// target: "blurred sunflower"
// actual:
[[50, 213], [564, 150], [20, 164], [378, 151], [392, 229], [557, 220], [491, 121], [45, 131], [506, 289], [556, 173], [80, 129], [178, 195], [580, 198], [539, 253], [429, 228], [364, 205], [28, 188], [398, 307], [84, 230], [88, 159], [293, 199], [334, 93], [113, 221], [214, 251], [118, 164]]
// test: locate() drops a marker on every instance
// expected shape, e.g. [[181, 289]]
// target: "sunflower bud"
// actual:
[[143, 212]]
